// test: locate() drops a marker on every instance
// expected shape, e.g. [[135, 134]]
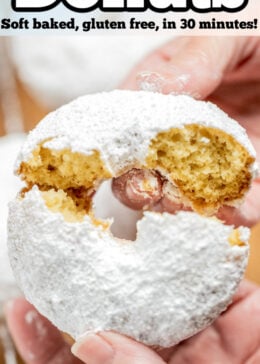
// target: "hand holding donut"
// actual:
[[218, 342], [235, 67], [224, 70]]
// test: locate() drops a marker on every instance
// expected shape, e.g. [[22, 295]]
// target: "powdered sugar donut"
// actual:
[[182, 270]]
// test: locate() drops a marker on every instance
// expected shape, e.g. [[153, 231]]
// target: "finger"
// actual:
[[254, 359], [143, 189], [190, 65], [172, 201], [234, 336], [112, 348], [245, 289], [201, 349], [36, 339], [246, 215], [242, 321], [138, 189]]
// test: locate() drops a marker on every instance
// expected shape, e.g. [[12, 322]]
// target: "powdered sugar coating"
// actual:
[[121, 124], [164, 287], [9, 187]]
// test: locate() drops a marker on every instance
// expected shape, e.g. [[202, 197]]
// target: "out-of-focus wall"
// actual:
[[253, 270]]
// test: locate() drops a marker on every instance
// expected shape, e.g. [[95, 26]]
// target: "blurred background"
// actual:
[[37, 75]]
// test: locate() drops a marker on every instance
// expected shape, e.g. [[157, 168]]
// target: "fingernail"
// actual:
[[174, 84], [150, 81], [93, 349]]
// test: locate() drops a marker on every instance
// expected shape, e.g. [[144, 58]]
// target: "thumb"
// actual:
[[112, 348], [189, 65]]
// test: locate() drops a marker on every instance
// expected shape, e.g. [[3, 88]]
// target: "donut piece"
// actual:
[[174, 280], [206, 156], [182, 270]]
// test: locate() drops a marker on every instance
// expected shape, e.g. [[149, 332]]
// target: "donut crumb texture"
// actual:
[[63, 169], [60, 201], [209, 167], [67, 180], [235, 239]]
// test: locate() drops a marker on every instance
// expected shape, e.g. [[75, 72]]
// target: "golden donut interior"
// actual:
[[234, 239], [209, 167], [63, 169], [67, 180], [60, 201]]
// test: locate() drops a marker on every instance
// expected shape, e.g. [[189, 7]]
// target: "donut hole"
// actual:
[[105, 211], [106, 207], [209, 167]]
